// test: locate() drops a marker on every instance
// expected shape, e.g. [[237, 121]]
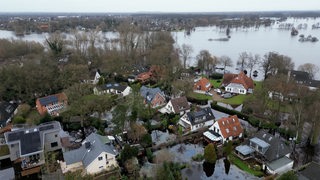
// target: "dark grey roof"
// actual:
[[98, 145], [30, 143], [277, 147], [310, 172], [200, 116], [300, 76], [31, 139], [149, 93], [6, 111], [314, 83], [115, 86], [48, 100]]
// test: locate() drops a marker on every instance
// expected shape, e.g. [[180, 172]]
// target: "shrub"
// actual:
[[18, 120], [197, 101], [198, 157], [216, 76]]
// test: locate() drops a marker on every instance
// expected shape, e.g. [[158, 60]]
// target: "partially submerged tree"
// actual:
[[210, 155], [185, 52], [226, 62]]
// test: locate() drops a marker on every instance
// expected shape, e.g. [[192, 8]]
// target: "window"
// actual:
[[100, 167], [56, 135], [54, 144], [100, 158]]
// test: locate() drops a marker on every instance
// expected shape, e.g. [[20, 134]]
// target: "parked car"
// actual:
[[218, 90], [208, 94], [226, 95]]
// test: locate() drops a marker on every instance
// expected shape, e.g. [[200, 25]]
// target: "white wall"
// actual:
[[97, 166]]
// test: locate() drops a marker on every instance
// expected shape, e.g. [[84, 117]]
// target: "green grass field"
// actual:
[[244, 166]]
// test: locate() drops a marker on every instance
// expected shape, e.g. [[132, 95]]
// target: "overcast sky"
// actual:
[[155, 5]]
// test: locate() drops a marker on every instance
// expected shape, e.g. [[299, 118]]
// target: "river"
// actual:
[[256, 41]]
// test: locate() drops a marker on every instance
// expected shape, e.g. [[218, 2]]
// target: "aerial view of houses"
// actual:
[[159, 95]]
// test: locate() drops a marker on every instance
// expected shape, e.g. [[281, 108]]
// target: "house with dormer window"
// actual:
[[197, 119], [153, 96], [96, 154], [176, 106], [202, 85], [237, 83], [270, 150], [225, 129]]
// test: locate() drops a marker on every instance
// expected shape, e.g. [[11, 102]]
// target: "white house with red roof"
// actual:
[[225, 129], [202, 85], [237, 83]]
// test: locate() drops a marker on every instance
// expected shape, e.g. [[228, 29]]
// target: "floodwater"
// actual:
[[198, 170], [256, 41], [252, 40]]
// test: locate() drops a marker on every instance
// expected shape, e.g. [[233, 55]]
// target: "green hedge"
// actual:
[[197, 101], [254, 121]]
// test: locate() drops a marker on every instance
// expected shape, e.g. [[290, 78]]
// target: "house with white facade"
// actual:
[[95, 155], [28, 145], [237, 83], [270, 150], [225, 129], [7, 111], [112, 88], [195, 120], [176, 106]]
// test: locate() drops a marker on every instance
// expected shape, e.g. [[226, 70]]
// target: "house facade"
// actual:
[[112, 88], [270, 150], [177, 106], [153, 96], [197, 119], [202, 85], [53, 104], [225, 129], [95, 155], [27, 146], [237, 83], [7, 111]]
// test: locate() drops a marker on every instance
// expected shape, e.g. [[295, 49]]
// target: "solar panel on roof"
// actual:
[[44, 128], [15, 136], [109, 85], [48, 100]]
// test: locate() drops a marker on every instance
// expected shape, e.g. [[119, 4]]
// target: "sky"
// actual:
[[155, 5]]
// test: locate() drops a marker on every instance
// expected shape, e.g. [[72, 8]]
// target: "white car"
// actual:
[[218, 90]]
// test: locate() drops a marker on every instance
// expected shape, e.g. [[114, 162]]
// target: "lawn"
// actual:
[[244, 166], [235, 100], [199, 96], [216, 82], [4, 150]]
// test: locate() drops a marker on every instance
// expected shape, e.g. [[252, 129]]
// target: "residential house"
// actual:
[[153, 96], [95, 155], [176, 106], [237, 83], [7, 111], [112, 88], [94, 77], [197, 119], [202, 85], [28, 145], [309, 172], [225, 129], [303, 78], [270, 150], [52, 104]]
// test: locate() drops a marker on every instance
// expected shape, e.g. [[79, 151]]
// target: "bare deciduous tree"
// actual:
[[185, 52], [243, 60], [226, 62], [252, 62], [310, 68]]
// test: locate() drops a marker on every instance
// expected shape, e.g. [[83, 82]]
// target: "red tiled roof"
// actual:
[[240, 78], [230, 126], [202, 85], [144, 76]]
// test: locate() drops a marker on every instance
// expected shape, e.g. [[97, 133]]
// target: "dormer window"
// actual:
[[227, 130]]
